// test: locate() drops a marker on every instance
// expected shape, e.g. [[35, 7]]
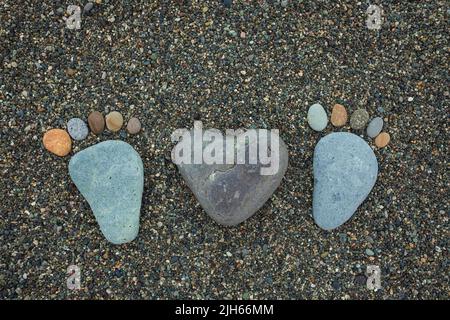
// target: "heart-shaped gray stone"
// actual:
[[231, 193], [110, 175], [345, 171]]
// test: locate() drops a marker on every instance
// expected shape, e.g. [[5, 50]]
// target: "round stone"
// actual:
[[374, 127], [77, 128], [114, 121], [57, 141], [382, 140], [133, 126], [339, 115], [317, 117], [359, 119], [96, 122]]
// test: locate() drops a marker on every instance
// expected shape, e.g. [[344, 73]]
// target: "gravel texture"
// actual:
[[250, 65]]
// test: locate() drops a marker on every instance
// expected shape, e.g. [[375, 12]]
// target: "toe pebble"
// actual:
[[382, 140], [359, 119], [317, 117], [134, 126], [77, 128], [57, 141], [375, 126], [114, 121], [339, 115], [96, 122]]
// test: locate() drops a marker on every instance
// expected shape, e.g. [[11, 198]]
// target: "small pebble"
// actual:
[[375, 126], [134, 126], [114, 121], [359, 119], [317, 117], [71, 72], [96, 122], [370, 252], [77, 128], [88, 7], [339, 115], [382, 140], [57, 141]]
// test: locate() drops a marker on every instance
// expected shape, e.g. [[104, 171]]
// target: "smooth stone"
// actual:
[[339, 115], [359, 119], [57, 141], [231, 193], [134, 126], [375, 126], [110, 176], [345, 171], [88, 7], [317, 117], [96, 122], [114, 121], [77, 128], [382, 140]]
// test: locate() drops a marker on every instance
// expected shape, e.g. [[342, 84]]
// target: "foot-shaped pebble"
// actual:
[[345, 171], [110, 175]]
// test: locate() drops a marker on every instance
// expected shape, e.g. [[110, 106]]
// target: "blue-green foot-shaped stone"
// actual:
[[345, 171], [110, 175]]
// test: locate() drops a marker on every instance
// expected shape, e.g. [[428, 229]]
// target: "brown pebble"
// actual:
[[382, 140], [71, 72], [133, 126], [339, 115], [57, 141], [96, 122], [114, 121]]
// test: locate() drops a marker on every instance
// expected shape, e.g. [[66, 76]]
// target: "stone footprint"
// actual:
[[110, 176], [345, 171]]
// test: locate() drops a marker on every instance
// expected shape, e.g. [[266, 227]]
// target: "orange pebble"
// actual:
[[57, 141], [382, 140], [338, 115]]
